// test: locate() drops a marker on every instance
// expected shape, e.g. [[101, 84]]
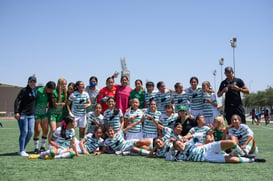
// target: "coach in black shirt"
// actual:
[[233, 87]]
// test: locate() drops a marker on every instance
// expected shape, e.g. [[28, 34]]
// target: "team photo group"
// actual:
[[178, 124]]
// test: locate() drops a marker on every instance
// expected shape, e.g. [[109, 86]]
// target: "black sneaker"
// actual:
[[36, 151], [259, 160], [42, 149]]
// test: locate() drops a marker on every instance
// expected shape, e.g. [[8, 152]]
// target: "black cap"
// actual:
[[228, 69], [32, 79]]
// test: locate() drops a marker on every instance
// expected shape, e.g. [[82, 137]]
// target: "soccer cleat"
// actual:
[[33, 156], [259, 160], [36, 151], [42, 149], [48, 157]]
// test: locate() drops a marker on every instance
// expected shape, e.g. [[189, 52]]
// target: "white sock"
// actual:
[[246, 160], [248, 148], [237, 151], [44, 139], [143, 152], [36, 143], [64, 155]]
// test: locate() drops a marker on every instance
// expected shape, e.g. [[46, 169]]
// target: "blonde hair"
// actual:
[[60, 90], [221, 121]]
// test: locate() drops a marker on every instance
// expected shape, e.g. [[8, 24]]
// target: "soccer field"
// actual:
[[113, 167]]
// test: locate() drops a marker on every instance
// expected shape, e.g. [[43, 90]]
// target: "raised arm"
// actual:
[[130, 126]]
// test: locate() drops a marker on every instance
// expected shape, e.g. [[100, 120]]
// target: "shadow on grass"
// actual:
[[9, 154], [12, 154]]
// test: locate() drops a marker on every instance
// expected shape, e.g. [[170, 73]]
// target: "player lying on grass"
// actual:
[[160, 148], [91, 143], [242, 135], [117, 142], [211, 152], [63, 138]]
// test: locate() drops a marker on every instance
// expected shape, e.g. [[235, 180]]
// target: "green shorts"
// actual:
[[40, 116], [56, 118]]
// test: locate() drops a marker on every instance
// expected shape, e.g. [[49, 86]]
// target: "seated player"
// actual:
[[242, 135], [63, 137]]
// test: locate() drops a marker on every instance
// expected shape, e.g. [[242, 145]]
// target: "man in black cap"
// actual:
[[233, 87]]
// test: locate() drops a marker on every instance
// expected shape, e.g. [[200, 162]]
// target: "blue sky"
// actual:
[[161, 40]]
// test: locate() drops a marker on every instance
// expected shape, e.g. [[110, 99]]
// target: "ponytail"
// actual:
[[65, 122]]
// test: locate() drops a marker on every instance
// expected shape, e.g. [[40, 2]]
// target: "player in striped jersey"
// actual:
[[113, 116], [201, 133], [195, 97], [62, 138], [162, 97], [211, 152], [91, 142], [209, 103], [169, 118], [149, 93], [160, 148], [170, 134], [179, 97], [149, 128], [80, 101], [95, 119], [117, 142], [131, 116], [242, 135]]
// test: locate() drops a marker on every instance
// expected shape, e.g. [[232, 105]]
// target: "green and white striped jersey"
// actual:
[[199, 134], [63, 142], [131, 113], [241, 133], [162, 99], [207, 108], [117, 143], [149, 97], [113, 121], [195, 97], [149, 126], [91, 125], [78, 100], [168, 121], [161, 153], [179, 99], [91, 143]]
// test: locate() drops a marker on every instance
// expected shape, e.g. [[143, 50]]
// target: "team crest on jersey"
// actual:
[[106, 92], [114, 92]]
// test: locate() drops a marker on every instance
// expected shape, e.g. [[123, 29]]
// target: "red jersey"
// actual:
[[103, 93]]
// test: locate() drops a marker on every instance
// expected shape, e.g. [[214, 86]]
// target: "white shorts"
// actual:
[[146, 135], [59, 150], [129, 146], [80, 121], [214, 153], [135, 136]]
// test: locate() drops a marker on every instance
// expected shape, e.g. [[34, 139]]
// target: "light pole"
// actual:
[[214, 74], [221, 62], [233, 43]]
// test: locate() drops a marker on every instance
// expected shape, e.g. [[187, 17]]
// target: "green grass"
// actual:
[[112, 167]]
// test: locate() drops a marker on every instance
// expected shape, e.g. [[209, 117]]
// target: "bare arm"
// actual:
[[130, 126]]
